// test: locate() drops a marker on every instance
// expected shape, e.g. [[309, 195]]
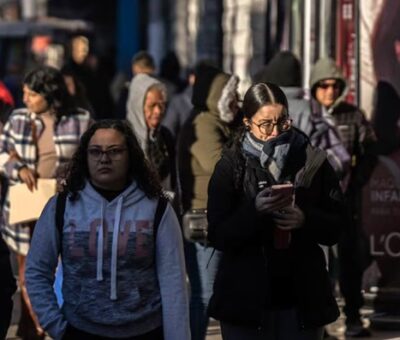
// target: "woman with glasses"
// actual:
[[37, 142], [272, 281], [121, 248]]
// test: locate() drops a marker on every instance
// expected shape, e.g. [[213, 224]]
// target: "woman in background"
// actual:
[[37, 142]]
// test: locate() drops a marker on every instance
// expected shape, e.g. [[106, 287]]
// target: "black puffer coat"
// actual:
[[242, 290]]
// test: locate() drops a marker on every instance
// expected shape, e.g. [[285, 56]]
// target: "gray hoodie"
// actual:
[[326, 68], [138, 88], [115, 283]]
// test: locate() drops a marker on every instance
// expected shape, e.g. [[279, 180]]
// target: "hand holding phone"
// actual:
[[275, 197], [286, 189]]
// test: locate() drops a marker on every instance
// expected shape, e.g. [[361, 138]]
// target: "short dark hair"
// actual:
[[139, 167], [49, 83], [262, 94], [144, 59]]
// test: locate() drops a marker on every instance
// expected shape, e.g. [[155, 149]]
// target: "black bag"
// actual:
[[195, 225]]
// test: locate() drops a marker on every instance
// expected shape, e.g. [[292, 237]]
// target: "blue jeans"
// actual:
[[201, 268]]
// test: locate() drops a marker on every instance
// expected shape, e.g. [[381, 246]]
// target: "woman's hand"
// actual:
[[288, 218], [266, 204], [29, 177]]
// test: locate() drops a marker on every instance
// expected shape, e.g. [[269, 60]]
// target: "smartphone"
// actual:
[[282, 189]]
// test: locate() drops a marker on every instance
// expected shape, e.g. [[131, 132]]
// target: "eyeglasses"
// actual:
[[325, 86], [266, 128], [114, 154]]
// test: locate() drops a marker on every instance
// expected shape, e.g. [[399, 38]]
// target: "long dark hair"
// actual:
[[139, 168], [49, 83], [257, 96]]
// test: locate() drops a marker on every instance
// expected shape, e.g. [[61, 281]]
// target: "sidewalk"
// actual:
[[336, 329]]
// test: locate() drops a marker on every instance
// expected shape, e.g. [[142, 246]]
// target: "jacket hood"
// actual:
[[284, 69], [326, 69], [223, 92], [138, 88]]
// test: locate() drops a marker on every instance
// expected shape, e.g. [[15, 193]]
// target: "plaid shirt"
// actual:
[[19, 136]]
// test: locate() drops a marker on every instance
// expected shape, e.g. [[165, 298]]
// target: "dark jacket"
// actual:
[[352, 128], [203, 137], [250, 265]]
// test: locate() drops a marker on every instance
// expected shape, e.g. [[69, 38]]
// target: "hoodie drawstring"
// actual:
[[100, 246], [114, 252]]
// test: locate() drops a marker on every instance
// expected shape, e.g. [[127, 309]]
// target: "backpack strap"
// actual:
[[60, 209], [160, 210]]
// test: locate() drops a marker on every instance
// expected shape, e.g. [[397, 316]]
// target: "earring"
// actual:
[[247, 127]]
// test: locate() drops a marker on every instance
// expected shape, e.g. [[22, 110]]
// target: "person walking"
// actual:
[[142, 62], [120, 245], [37, 142], [342, 130], [272, 282], [200, 145], [146, 107]]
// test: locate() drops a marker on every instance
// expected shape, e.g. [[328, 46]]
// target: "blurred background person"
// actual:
[[37, 141], [142, 62], [180, 106], [170, 74], [76, 90], [201, 141], [88, 69], [342, 130], [146, 107]]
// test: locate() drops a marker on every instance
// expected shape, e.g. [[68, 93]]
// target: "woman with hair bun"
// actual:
[[37, 142]]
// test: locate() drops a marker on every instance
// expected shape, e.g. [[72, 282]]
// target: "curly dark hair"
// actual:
[[139, 167], [49, 83]]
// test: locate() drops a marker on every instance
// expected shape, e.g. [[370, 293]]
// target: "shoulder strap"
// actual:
[[161, 206], [60, 209]]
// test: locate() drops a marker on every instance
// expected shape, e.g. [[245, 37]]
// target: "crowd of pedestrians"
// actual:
[[172, 210]]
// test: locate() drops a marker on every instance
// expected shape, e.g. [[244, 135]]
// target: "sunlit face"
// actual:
[[327, 91], [80, 49], [154, 108], [268, 122], [34, 101], [108, 160]]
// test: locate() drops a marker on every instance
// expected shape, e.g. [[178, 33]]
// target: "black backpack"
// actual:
[[60, 209]]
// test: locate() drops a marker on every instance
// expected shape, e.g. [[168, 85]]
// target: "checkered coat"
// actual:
[[18, 138]]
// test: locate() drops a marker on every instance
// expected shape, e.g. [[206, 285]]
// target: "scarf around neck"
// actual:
[[276, 154]]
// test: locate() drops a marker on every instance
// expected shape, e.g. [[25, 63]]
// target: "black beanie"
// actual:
[[284, 70]]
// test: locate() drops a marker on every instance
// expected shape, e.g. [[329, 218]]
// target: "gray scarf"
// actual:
[[273, 154]]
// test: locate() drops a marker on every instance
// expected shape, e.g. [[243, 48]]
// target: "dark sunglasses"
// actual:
[[325, 86]]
